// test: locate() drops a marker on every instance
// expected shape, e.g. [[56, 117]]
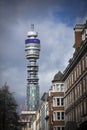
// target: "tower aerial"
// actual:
[[32, 49]]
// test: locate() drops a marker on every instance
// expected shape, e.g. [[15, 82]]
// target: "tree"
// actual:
[[8, 107]]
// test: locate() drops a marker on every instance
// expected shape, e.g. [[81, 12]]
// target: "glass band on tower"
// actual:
[[32, 49]]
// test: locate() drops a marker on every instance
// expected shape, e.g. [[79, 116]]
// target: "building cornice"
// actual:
[[76, 58]]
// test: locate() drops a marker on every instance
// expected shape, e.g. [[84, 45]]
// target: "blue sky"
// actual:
[[54, 21]]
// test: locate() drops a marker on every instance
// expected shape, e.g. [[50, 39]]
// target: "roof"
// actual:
[[58, 77], [44, 97]]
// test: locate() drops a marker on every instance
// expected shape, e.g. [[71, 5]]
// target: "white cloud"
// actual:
[[56, 49]]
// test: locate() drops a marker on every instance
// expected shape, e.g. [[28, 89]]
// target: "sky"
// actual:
[[54, 20]]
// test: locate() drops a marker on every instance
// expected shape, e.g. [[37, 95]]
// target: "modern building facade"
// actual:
[[75, 80], [55, 111]]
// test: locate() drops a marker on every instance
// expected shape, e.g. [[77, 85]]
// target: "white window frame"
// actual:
[[55, 103], [59, 87], [55, 116]]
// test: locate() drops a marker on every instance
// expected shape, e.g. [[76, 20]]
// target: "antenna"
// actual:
[[32, 27], [32, 33]]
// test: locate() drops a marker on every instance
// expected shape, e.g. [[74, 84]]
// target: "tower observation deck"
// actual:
[[32, 49]]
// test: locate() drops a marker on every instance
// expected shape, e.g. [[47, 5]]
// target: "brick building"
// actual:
[[55, 117], [75, 81]]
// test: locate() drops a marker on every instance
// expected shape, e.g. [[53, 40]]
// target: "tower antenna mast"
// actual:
[[32, 27]]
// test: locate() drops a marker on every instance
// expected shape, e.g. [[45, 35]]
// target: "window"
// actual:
[[83, 36], [62, 101], [70, 81], [62, 87], [80, 85], [78, 91], [73, 117], [86, 60], [58, 101], [65, 102], [54, 87], [62, 115], [65, 85], [54, 128], [62, 128], [58, 128], [58, 115], [72, 97], [79, 112], [58, 87], [83, 64], [54, 116], [72, 77], [84, 85], [79, 68], [86, 82], [75, 73], [54, 102], [76, 110], [85, 105], [81, 108]]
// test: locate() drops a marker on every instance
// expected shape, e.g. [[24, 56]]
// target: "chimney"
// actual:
[[78, 35]]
